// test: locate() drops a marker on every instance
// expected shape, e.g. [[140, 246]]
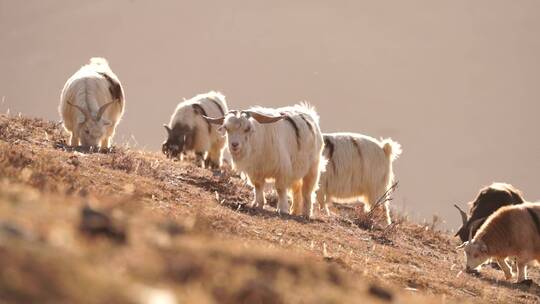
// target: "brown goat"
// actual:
[[488, 200], [512, 231]]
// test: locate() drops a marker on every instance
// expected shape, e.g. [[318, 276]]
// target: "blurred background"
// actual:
[[457, 83]]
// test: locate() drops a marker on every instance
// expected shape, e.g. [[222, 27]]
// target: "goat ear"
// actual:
[[249, 129]]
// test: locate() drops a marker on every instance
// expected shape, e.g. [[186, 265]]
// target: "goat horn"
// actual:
[[167, 129], [102, 109], [216, 121], [462, 245], [262, 118], [220, 120], [464, 217], [474, 226], [83, 110]]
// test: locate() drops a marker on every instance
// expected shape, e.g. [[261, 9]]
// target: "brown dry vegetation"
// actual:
[[134, 227]]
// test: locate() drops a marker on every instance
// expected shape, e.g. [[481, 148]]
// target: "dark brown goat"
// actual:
[[488, 200]]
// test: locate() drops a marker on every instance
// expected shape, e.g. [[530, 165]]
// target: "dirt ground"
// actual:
[[133, 227]]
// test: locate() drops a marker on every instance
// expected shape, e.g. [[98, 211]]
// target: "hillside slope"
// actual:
[[134, 227]]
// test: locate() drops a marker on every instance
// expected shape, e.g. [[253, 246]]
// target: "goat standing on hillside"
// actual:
[[512, 231], [358, 166], [488, 200], [283, 145], [91, 105], [189, 131]]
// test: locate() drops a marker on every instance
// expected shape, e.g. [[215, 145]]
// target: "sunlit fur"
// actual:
[[488, 200], [360, 166], [273, 152], [202, 141], [509, 232], [90, 90]]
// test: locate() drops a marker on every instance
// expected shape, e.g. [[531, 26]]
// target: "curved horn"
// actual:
[[262, 118], [220, 120], [459, 231], [216, 121], [102, 109], [462, 245], [474, 226], [464, 217], [83, 110], [167, 129]]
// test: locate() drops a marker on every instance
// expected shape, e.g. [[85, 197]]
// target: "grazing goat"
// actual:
[[91, 105], [488, 200], [282, 145], [189, 131], [512, 231], [357, 166]]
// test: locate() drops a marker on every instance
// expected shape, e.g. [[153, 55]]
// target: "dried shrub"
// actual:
[[372, 220], [15, 157]]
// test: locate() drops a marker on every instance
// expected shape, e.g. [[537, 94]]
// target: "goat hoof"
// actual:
[[282, 212], [211, 165], [257, 206], [473, 272]]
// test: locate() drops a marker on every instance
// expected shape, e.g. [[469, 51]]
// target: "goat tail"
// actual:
[[309, 109], [391, 148], [98, 61]]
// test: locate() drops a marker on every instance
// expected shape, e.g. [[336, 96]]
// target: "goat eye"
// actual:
[[247, 129], [87, 132]]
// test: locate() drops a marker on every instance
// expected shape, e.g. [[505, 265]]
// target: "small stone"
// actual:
[[381, 293]]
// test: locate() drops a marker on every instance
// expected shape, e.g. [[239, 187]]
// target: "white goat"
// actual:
[[189, 131], [282, 145], [91, 104], [358, 166]]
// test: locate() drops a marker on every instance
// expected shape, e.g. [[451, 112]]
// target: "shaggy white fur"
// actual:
[[358, 166], [282, 145], [87, 106], [201, 137]]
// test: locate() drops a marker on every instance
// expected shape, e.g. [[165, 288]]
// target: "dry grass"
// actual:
[[133, 227]]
